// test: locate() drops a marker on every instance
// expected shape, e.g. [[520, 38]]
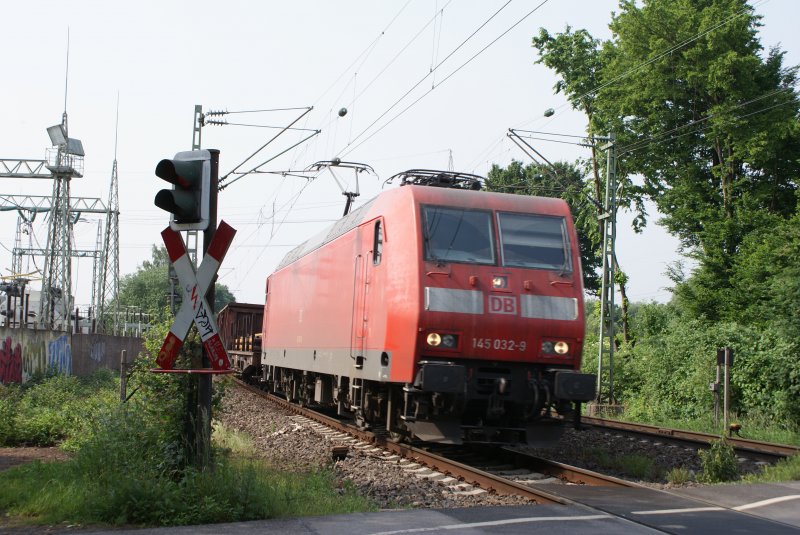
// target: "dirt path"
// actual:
[[13, 456]]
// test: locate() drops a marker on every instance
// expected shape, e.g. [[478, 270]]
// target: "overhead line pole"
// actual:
[[608, 223]]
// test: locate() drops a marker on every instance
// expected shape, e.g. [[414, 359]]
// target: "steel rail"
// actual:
[[768, 449], [565, 472]]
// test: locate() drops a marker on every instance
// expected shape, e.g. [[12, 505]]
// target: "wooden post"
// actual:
[[716, 396], [123, 376], [727, 391]]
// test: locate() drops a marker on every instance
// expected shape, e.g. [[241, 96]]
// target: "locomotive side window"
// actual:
[[534, 241], [456, 235], [377, 247]]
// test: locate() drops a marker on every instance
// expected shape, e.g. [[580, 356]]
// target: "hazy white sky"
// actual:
[[162, 58]]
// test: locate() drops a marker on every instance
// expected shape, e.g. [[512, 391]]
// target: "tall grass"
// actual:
[[784, 470], [130, 467], [54, 409], [235, 490], [755, 426]]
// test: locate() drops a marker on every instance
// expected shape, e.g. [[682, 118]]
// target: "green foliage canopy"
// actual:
[[707, 122], [148, 289], [704, 118]]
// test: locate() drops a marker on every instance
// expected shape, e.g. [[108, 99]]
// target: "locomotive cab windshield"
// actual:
[[458, 235], [534, 241], [467, 236]]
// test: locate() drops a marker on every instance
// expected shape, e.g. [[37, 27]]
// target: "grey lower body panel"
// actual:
[[331, 362]]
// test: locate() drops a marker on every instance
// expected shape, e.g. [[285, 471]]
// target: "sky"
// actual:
[[424, 83]]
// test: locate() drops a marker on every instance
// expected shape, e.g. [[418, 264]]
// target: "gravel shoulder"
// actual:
[[280, 438], [283, 440]]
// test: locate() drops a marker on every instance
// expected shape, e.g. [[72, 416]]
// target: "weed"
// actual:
[[130, 467], [679, 476], [599, 455], [719, 463], [784, 470], [639, 466], [231, 441]]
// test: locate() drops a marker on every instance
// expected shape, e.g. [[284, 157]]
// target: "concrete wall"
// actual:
[[23, 352], [93, 351]]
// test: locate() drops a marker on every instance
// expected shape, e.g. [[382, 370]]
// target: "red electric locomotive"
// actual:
[[444, 314]]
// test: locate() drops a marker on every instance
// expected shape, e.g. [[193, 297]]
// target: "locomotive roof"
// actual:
[[427, 194]]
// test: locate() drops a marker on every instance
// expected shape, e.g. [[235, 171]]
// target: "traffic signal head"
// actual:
[[189, 173]]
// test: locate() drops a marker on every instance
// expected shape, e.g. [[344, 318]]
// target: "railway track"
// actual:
[[763, 450], [497, 470]]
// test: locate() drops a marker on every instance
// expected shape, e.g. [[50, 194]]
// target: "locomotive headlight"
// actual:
[[434, 339], [450, 341], [555, 348], [499, 281]]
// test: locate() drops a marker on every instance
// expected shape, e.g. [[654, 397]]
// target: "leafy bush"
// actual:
[[133, 463], [666, 373], [54, 408], [719, 463]]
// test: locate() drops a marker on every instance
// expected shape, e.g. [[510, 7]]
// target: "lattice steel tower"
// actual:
[[65, 161], [107, 305]]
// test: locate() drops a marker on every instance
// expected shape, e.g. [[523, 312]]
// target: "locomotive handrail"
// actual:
[[432, 273]]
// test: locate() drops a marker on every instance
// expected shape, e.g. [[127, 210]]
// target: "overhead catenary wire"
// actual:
[[366, 51], [387, 66], [226, 123], [642, 64], [273, 138], [358, 59], [294, 200], [314, 132], [467, 62], [213, 113], [417, 84], [643, 142], [667, 52]]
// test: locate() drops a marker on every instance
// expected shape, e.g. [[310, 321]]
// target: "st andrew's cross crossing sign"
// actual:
[[194, 307]]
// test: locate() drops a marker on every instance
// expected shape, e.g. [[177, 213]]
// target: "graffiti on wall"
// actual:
[[98, 350], [21, 359], [34, 359], [10, 362], [59, 355]]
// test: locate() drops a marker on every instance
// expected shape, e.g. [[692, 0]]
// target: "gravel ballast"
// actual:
[[293, 442]]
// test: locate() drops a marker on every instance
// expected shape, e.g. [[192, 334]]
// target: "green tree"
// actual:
[[709, 124], [577, 59], [766, 281], [565, 181], [148, 288], [706, 119], [222, 296]]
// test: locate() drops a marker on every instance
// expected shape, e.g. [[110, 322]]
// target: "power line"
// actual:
[[643, 64], [641, 143], [446, 78], [366, 51], [456, 49], [396, 56]]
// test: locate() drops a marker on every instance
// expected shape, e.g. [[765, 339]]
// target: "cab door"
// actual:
[[364, 264]]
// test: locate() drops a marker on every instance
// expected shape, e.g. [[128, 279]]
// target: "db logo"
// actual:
[[502, 304]]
